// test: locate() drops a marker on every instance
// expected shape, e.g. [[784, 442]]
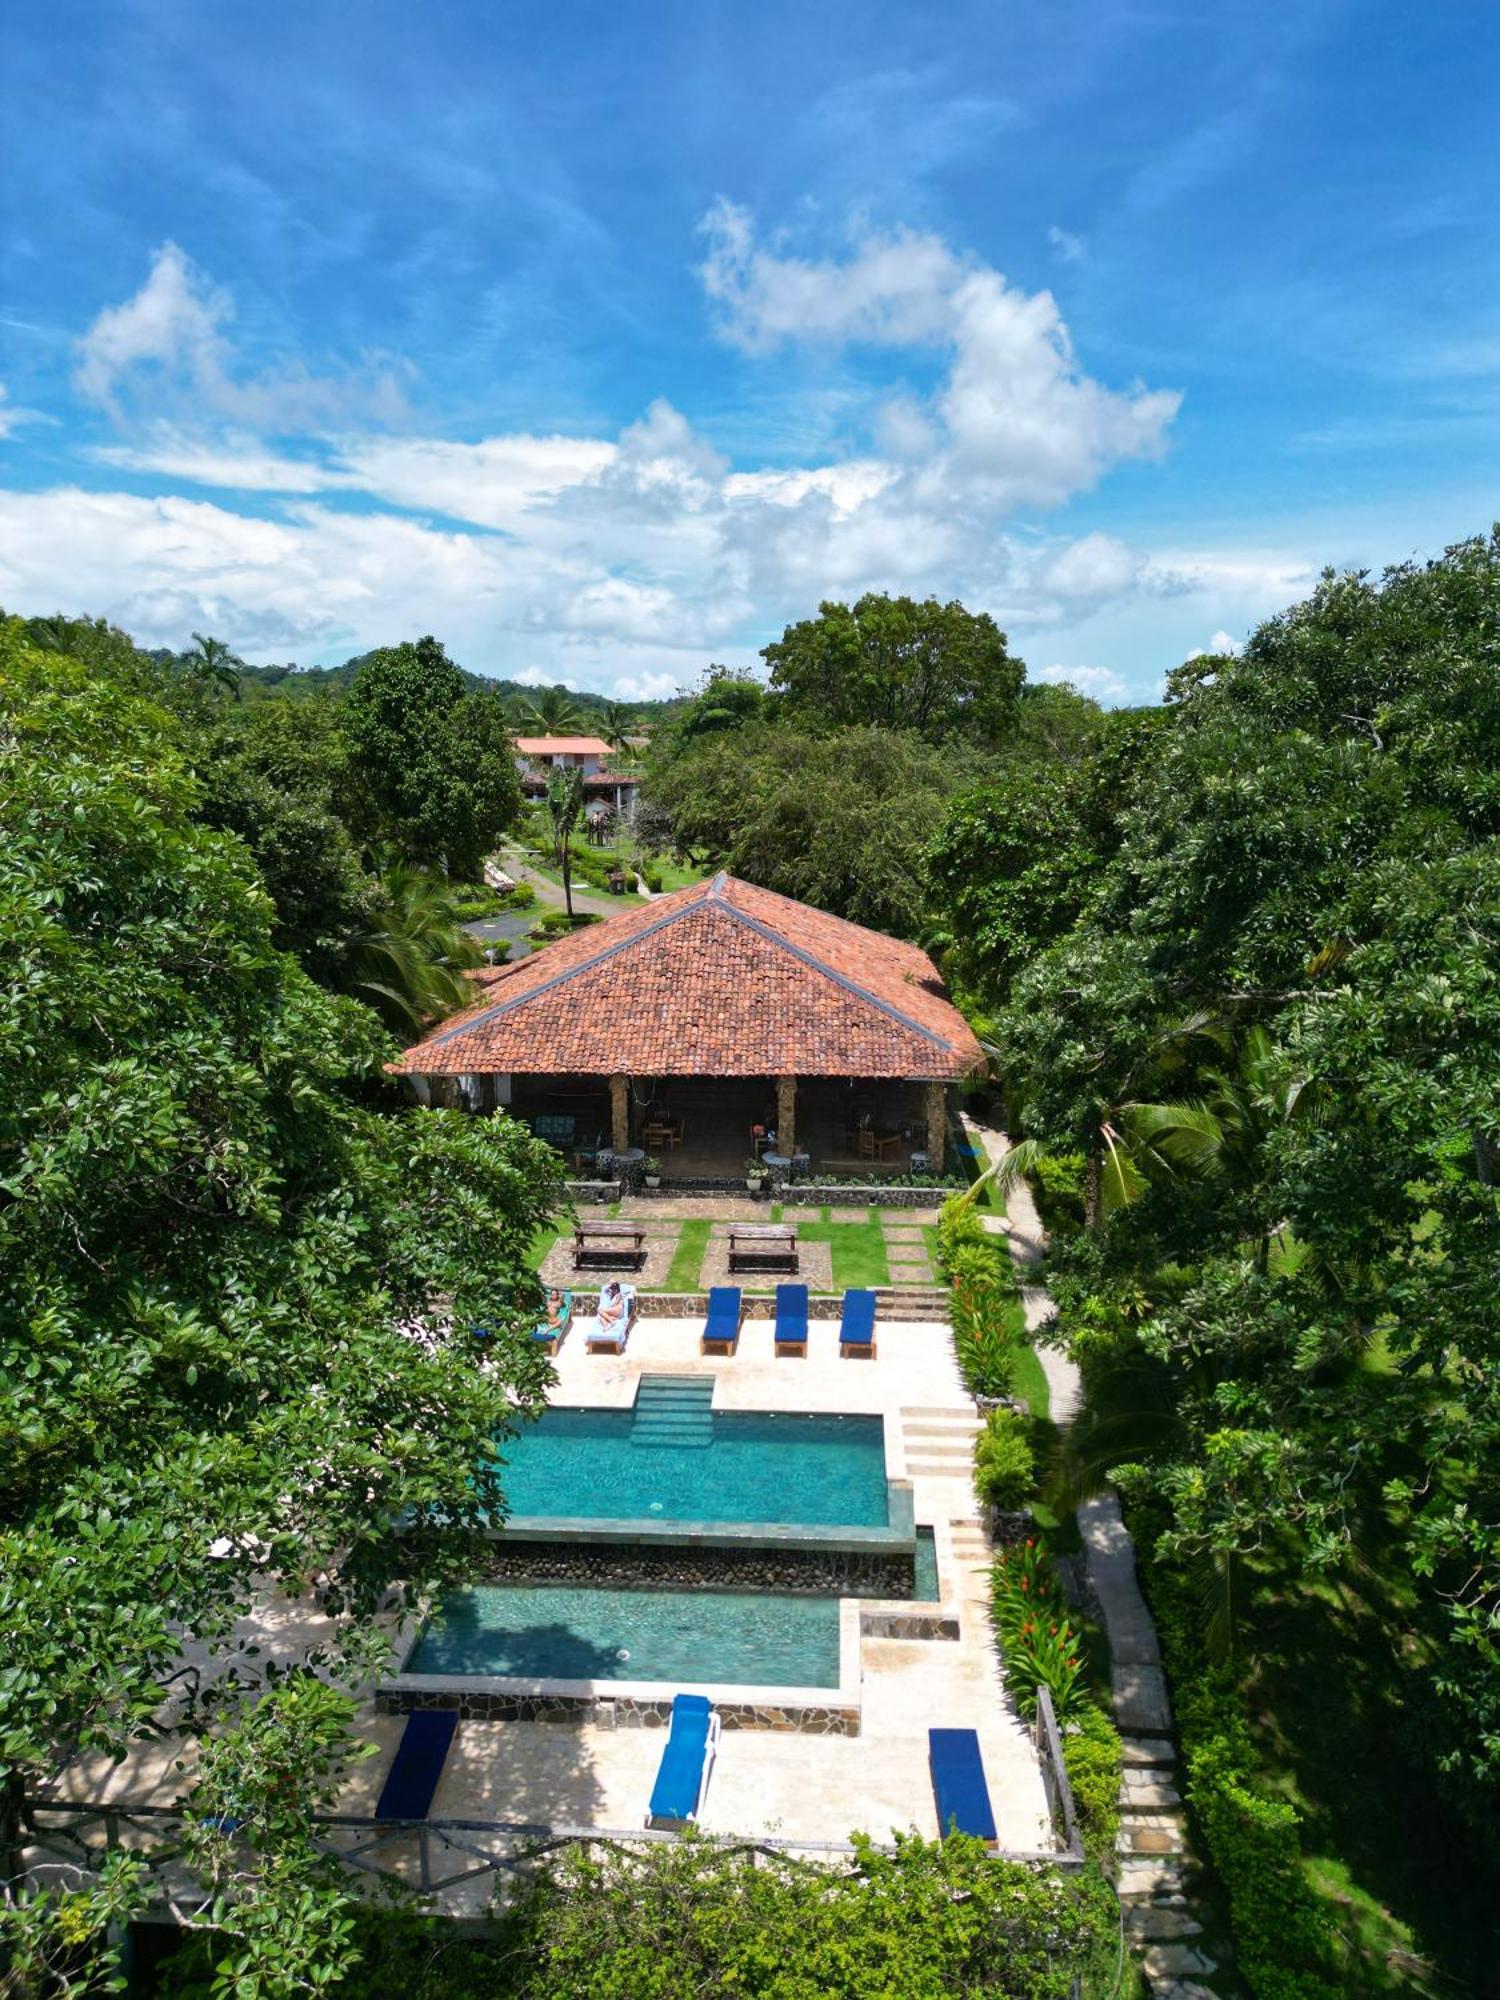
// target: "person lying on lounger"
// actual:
[[611, 1307], [555, 1316]]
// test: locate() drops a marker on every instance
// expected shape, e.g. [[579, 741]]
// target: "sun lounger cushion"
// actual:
[[417, 1764], [679, 1777], [723, 1322], [958, 1786], [791, 1313], [857, 1328]]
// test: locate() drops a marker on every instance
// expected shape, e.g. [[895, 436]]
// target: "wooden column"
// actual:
[[937, 1124], [786, 1115], [619, 1112]]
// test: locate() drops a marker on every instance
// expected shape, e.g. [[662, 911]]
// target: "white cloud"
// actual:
[[12, 416], [1223, 645], [538, 677], [632, 558], [1015, 419], [1069, 248], [647, 687], [168, 344], [1097, 566], [1102, 683]]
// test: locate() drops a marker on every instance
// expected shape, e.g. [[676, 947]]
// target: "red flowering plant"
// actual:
[[1038, 1642]]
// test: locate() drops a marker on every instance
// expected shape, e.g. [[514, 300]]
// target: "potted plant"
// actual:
[[651, 1171], [756, 1174]]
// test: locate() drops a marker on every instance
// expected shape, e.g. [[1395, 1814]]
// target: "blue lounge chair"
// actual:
[[552, 1337], [791, 1319], [417, 1764], [857, 1326], [682, 1776], [958, 1786], [721, 1330], [600, 1340]]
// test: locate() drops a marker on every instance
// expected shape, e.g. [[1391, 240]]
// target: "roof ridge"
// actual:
[[586, 964], [842, 979]]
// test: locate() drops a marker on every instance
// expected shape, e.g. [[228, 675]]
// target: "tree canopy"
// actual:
[[936, 670], [433, 756], [238, 1287]]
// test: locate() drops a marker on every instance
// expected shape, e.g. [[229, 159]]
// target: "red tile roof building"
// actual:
[[719, 980]]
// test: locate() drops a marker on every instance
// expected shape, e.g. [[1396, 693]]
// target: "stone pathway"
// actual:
[[905, 1249], [1155, 1869]]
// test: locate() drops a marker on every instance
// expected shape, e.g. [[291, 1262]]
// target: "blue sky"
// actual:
[[605, 341]]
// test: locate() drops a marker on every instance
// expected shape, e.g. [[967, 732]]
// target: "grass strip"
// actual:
[[687, 1261]]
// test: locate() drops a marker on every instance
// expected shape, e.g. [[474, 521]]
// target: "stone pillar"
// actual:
[[937, 1124], [619, 1112], [786, 1115]]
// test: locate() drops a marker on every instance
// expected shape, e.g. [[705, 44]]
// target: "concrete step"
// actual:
[[1145, 1751], [920, 1410], [1145, 1794]]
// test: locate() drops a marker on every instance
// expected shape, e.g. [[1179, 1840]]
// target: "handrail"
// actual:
[[529, 1841]]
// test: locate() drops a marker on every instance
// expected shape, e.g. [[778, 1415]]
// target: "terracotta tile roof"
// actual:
[[722, 979], [561, 746]]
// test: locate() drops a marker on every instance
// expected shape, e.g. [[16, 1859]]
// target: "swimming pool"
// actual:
[[594, 1633], [670, 1463]]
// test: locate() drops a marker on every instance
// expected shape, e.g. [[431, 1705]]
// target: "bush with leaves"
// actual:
[[1038, 1642], [1004, 1468], [1092, 1758]]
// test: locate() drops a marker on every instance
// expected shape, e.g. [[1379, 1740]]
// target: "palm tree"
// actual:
[[412, 965], [212, 664], [615, 724], [552, 712], [565, 803]]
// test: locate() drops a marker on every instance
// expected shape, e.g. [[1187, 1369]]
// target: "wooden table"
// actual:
[[762, 1246], [603, 1245]]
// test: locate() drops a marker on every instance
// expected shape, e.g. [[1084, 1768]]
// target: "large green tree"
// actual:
[[840, 821], [1275, 1000], [237, 1291], [937, 670], [432, 759]]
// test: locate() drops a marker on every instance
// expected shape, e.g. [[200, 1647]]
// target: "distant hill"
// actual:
[[295, 683]]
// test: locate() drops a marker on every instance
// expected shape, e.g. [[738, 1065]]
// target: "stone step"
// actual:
[[1162, 1834], [960, 1431], [1140, 1793], [1176, 1961], [1158, 1921], [920, 1410], [1146, 1879], [1148, 1750]]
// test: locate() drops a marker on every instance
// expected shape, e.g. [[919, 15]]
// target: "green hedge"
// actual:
[[1004, 1469], [1282, 1936], [1091, 1755]]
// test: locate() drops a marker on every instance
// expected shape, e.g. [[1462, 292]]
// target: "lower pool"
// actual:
[[593, 1633]]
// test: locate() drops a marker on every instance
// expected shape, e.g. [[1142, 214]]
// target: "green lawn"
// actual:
[[858, 1251], [545, 1239], [687, 1263], [674, 874]]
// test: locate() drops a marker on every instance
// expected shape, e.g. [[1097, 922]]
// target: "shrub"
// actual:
[[1037, 1640], [1281, 1932], [1059, 1179], [1091, 1755], [958, 1228], [520, 896], [472, 900], [652, 877], [1004, 1471]]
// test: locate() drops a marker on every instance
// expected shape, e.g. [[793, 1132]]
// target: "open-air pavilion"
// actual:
[[710, 1025]]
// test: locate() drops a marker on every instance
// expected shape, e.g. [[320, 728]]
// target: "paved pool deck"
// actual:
[[800, 1788]]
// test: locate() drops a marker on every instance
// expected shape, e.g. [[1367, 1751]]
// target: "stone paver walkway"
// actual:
[[1154, 1876], [905, 1248]]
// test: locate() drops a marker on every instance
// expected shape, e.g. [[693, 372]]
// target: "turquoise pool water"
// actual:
[[798, 1471], [925, 1568], [589, 1632]]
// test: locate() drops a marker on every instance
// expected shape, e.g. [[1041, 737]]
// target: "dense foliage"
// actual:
[[236, 1282], [930, 1920], [935, 670], [1254, 986]]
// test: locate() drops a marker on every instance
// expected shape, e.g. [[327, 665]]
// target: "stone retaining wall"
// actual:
[[686, 1566], [627, 1712]]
